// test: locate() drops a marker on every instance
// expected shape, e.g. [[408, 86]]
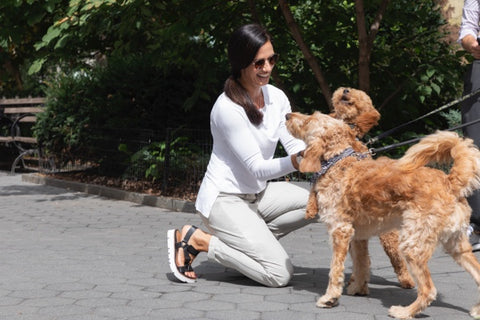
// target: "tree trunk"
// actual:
[[312, 62], [365, 41], [14, 72]]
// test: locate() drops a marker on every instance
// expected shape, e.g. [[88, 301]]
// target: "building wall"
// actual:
[[454, 11]]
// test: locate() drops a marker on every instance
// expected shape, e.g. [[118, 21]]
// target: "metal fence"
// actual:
[[175, 159]]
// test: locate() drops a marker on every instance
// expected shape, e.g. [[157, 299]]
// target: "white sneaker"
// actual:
[[474, 238]]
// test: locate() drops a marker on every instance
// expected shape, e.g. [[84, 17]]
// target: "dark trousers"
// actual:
[[470, 112]]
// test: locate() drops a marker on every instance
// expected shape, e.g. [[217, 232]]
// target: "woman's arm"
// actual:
[[233, 128]]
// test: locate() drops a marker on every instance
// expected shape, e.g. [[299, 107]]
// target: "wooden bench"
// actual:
[[19, 114]]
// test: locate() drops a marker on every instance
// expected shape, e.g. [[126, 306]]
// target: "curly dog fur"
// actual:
[[360, 198]]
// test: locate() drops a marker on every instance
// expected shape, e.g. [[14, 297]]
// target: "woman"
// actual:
[[246, 216]]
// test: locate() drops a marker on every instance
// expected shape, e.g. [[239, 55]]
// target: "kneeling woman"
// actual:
[[244, 214]]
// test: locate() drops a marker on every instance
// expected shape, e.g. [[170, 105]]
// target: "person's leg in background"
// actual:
[[471, 112]]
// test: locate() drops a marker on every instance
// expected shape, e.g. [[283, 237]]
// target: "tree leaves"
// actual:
[[412, 68]]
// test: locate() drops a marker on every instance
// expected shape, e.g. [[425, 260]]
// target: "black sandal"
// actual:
[[174, 246]]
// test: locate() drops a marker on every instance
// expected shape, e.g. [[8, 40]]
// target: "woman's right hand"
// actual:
[[296, 159]]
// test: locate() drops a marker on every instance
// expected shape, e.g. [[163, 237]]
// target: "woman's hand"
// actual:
[[296, 159]]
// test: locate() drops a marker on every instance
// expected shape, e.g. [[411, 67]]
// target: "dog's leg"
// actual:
[[461, 251], [358, 284], [340, 239], [417, 247], [312, 206], [390, 244]]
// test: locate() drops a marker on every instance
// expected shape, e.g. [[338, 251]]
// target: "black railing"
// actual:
[[175, 159]]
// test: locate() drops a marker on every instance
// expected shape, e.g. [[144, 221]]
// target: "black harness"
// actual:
[[327, 164]]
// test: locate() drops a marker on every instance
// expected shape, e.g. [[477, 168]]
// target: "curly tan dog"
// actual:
[[358, 198], [355, 107]]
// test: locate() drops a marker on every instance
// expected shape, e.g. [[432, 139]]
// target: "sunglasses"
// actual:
[[271, 60]]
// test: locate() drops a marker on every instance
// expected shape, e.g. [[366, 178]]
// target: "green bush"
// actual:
[[90, 114], [181, 157]]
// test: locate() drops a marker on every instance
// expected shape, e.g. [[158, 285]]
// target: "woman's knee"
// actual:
[[280, 276]]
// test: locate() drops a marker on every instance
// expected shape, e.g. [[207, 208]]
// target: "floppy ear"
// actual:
[[366, 121], [311, 157]]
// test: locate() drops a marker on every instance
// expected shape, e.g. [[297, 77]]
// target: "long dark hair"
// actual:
[[242, 49]]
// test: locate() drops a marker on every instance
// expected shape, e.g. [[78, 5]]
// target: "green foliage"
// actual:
[[453, 118], [181, 154], [413, 68], [91, 113], [22, 24]]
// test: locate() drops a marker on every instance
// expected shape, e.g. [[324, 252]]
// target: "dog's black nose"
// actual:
[[287, 116], [346, 91]]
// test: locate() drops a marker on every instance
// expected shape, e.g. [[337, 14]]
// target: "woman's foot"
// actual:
[[183, 247]]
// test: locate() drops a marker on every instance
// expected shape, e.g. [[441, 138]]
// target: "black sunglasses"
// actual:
[[271, 60]]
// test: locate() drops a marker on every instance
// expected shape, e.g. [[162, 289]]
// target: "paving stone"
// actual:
[[73, 256]]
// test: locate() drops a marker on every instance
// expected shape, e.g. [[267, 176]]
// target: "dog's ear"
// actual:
[[366, 121], [311, 157]]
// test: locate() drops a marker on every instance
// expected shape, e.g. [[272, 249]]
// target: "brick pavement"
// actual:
[[70, 255]]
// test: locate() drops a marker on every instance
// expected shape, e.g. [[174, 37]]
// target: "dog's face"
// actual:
[[325, 137], [355, 108]]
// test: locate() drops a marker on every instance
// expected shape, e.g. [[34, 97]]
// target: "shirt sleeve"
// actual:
[[290, 144], [234, 129], [470, 19]]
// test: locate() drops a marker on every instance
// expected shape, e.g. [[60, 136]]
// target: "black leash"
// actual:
[[389, 132], [374, 151]]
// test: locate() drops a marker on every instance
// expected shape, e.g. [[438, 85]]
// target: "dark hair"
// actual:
[[242, 49]]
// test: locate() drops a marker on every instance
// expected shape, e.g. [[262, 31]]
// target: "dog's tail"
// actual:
[[444, 147]]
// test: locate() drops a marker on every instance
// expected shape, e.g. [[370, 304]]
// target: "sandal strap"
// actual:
[[191, 249], [188, 248], [185, 268], [189, 234]]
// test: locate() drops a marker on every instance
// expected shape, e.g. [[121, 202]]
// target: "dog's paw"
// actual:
[[475, 312], [327, 302], [354, 289], [310, 215], [406, 282], [399, 312]]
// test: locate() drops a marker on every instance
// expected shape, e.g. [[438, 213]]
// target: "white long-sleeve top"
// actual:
[[470, 19], [242, 156]]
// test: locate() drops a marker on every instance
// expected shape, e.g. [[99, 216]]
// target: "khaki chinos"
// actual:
[[246, 229]]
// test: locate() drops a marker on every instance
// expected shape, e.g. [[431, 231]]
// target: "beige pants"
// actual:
[[246, 229]]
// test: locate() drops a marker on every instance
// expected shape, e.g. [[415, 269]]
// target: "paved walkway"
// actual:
[[69, 255]]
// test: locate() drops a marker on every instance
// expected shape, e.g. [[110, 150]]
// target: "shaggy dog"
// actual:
[[355, 108], [358, 197]]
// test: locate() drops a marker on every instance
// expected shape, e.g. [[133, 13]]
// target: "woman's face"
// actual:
[[252, 77]]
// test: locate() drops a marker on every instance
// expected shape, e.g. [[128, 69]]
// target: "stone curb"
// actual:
[[113, 193]]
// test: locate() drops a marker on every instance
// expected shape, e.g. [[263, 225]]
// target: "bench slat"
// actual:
[[18, 101], [22, 110], [26, 139], [28, 119], [18, 139]]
